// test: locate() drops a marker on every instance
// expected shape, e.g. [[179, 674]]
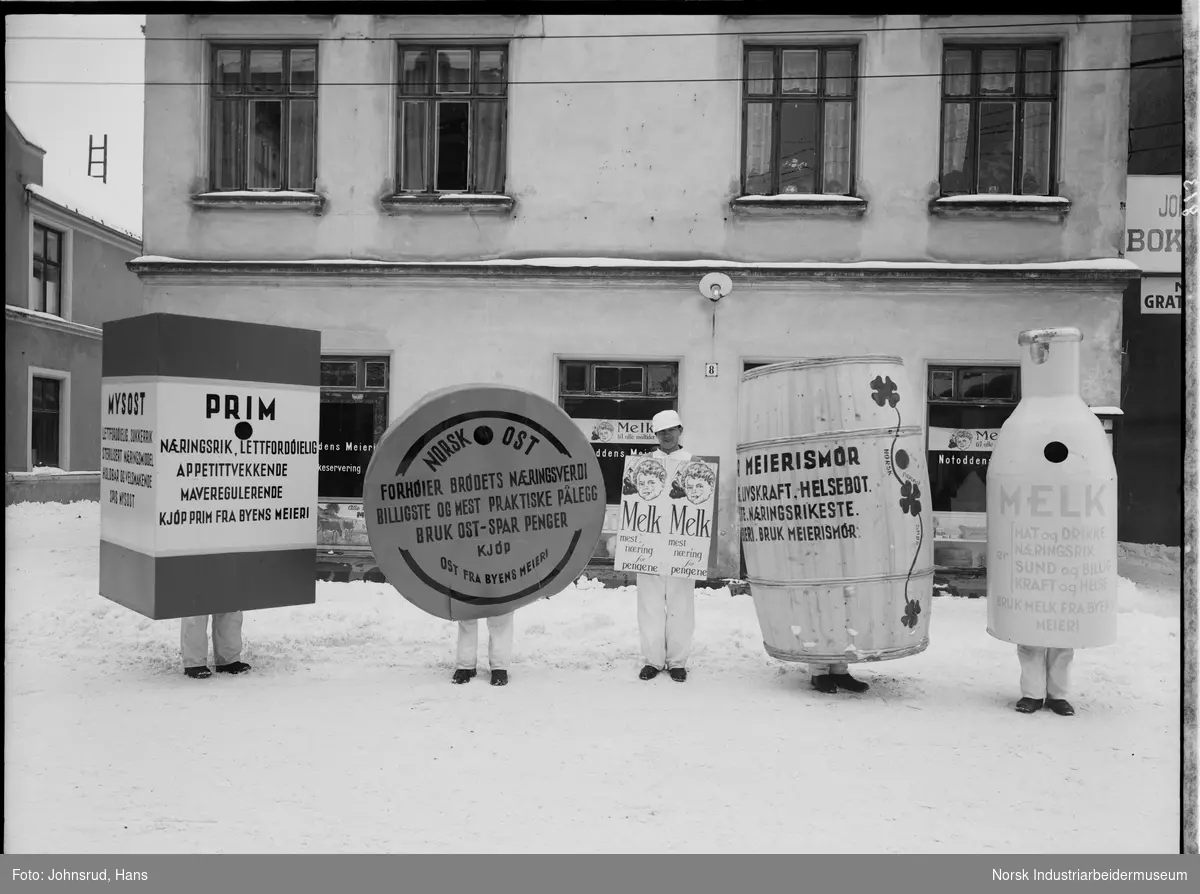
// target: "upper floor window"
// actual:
[[264, 118], [999, 109], [46, 270], [450, 119], [798, 128]]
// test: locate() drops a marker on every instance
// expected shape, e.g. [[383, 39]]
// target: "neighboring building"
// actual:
[[534, 200], [1149, 447], [65, 274]]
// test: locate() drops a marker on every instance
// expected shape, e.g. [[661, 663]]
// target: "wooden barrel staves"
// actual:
[[833, 505]]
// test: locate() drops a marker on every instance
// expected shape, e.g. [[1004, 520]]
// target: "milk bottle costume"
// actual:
[[1052, 523]]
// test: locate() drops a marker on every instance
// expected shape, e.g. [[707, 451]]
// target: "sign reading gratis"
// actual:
[[668, 515], [208, 465], [1162, 295]]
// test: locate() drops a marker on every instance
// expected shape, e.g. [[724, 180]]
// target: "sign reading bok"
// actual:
[[481, 499]]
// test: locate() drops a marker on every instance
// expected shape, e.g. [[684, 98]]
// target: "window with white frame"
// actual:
[[46, 270], [799, 119], [450, 119], [46, 407], [999, 116], [263, 133]]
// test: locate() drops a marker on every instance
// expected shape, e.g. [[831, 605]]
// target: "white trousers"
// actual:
[[500, 642], [666, 619], [839, 667], [1045, 671], [226, 639]]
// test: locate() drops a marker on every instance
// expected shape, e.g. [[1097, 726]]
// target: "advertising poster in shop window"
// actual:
[[668, 516], [614, 440]]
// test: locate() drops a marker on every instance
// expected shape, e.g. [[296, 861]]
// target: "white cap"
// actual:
[[665, 419]]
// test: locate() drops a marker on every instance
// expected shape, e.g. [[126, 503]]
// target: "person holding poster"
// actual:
[[226, 643], [666, 605], [500, 642]]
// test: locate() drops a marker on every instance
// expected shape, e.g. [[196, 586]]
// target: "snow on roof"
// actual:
[[1114, 264], [46, 196], [28, 142]]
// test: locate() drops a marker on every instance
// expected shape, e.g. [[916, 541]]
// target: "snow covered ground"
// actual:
[[348, 736]]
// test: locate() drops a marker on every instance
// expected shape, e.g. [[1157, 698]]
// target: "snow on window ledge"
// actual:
[[252, 199], [50, 321], [456, 202], [803, 205], [1002, 206]]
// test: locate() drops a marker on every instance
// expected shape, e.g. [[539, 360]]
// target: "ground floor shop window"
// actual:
[[967, 407], [613, 402], [353, 417]]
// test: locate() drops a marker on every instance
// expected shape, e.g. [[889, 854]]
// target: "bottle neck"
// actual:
[[1050, 369]]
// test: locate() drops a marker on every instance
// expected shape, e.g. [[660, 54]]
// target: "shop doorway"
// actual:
[[353, 417], [613, 401], [967, 405]]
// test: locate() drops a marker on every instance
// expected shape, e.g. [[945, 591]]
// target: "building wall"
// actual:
[[22, 164], [513, 332], [28, 344], [103, 286], [646, 171], [1156, 96], [629, 170], [98, 286], [1149, 449]]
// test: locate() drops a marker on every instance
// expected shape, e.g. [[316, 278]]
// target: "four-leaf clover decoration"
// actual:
[[910, 498], [884, 391], [911, 609]]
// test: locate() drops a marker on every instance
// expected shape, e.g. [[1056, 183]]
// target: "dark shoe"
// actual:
[[1029, 705], [825, 683], [678, 674], [1060, 706], [649, 672], [234, 667], [462, 675], [198, 673], [499, 678], [845, 681]]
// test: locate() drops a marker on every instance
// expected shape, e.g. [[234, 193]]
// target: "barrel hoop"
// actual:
[[839, 581], [848, 657], [857, 433], [817, 362]]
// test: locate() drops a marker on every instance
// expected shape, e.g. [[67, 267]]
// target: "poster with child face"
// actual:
[[668, 508]]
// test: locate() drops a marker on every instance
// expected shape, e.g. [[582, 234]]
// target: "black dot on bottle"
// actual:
[[243, 430], [1056, 451], [483, 435], [902, 459]]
